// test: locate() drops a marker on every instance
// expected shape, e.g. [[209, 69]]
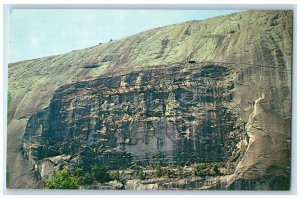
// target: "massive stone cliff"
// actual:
[[186, 115], [213, 91]]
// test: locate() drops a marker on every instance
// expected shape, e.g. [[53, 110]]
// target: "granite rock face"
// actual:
[[182, 117], [214, 91]]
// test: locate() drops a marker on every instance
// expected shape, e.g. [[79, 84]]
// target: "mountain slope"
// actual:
[[254, 46]]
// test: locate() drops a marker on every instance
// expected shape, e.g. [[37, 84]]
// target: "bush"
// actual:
[[180, 172], [215, 170], [171, 174], [141, 175], [87, 178], [62, 180], [84, 176], [139, 172], [100, 173], [116, 176], [158, 170], [199, 170]]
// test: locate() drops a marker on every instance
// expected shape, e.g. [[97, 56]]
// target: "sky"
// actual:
[[35, 33]]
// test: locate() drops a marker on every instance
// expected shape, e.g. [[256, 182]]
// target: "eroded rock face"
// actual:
[[178, 116], [162, 102]]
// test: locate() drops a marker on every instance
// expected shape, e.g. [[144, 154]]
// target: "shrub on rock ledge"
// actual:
[[62, 180]]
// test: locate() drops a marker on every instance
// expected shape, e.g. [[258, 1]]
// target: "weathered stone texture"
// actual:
[[215, 91], [156, 117]]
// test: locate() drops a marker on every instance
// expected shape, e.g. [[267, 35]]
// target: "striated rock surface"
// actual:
[[183, 117], [213, 91]]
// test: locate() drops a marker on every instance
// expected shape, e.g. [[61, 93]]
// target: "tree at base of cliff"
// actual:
[[62, 180], [100, 173]]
